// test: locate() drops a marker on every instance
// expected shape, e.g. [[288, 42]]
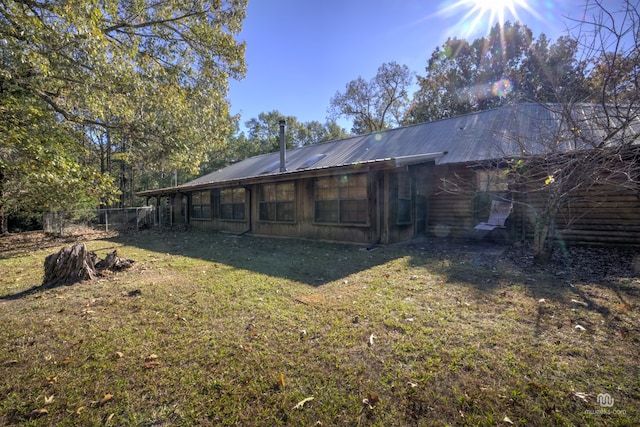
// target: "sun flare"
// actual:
[[481, 15]]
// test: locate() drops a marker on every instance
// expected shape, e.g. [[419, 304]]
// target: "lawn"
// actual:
[[213, 329]]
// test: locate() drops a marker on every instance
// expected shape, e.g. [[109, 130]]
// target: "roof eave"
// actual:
[[386, 163]]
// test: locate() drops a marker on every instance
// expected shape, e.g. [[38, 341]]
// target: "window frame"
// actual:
[[492, 180], [277, 206], [196, 209], [237, 205], [336, 207]]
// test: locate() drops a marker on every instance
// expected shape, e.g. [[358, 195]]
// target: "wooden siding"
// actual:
[[450, 214], [602, 215], [599, 216]]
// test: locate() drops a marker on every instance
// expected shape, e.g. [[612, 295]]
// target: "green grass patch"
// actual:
[[210, 329]]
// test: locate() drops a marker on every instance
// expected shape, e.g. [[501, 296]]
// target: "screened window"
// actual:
[[404, 198], [492, 180], [232, 203], [341, 200], [277, 202], [201, 205]]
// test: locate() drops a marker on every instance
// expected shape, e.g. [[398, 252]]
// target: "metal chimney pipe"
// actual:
[[283, 146]]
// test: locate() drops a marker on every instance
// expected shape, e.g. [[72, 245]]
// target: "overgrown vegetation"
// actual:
[[210, 329]]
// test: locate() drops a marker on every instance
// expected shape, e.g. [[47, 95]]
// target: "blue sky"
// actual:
[[300, 52]]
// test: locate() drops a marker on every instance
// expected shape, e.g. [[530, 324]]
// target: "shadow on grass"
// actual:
[[32, 290], [310, 262], [596, 280], [486, 267]]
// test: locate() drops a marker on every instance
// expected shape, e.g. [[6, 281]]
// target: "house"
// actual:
[[394, 185]]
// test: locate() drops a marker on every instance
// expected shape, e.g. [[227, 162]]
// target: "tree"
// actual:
[[506, 66], [41, 168], [553, 72], [151, 78], [263, 136], [595, 147], [375, 105]]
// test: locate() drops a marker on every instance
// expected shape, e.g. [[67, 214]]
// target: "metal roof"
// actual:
[[492, 134]]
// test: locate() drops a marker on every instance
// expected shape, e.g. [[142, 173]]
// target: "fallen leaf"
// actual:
[[371, 337], [300, 404], [79, 410], [68, 360], [371, 400], [109, 418], [151, 365], [281, 379], [38, 413], [51, 379], [178, 317], [119, 354], [107, 397], [507, 420], [580, 327], [581, 395], [151, 357], [48, 400], [412, 385]]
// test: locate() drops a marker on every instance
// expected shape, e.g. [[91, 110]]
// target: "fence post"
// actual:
[[106, 220]]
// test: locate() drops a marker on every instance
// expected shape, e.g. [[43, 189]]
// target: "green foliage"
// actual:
[[41, 167], [508, 65], [263, 136], [145, 79], [375, 105]]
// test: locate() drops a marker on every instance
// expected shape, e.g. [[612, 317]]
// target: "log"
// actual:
[[76, 264], [114, 263]]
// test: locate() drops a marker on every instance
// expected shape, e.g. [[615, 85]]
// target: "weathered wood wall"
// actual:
[[597, 216], [600, 215], [450, 213]]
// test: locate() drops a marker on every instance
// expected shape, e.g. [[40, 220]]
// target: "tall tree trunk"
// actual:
[[543, 238], [4, 220]]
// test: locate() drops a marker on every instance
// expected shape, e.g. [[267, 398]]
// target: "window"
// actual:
[[232, 203], [201, 205], [341, 200], [277, 202], [404, 198], [492, 180]]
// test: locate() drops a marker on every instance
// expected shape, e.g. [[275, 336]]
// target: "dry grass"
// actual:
[[209, 329]]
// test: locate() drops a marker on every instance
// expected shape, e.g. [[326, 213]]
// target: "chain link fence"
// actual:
[[122, 220]]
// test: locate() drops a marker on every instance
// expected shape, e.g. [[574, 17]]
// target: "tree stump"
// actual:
[[76, 264]]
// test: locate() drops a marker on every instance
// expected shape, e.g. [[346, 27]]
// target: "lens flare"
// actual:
[[502, 88]]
